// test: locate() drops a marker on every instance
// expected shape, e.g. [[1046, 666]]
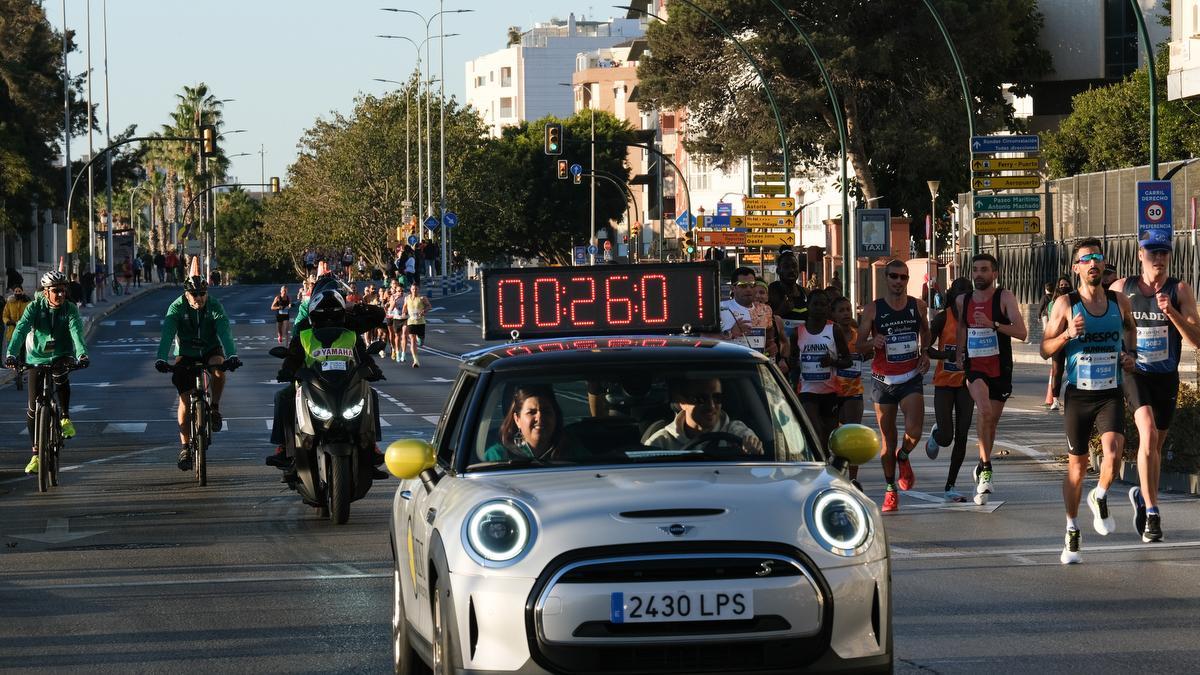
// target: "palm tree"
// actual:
[[195, 106]]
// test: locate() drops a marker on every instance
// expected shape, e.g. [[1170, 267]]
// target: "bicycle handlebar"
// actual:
[[210, 367], [72, 364]]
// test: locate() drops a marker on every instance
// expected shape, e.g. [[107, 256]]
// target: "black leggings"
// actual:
[[1060, 365], [953, 409], [62, 386]]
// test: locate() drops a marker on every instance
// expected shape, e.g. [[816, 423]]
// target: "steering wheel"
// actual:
[[711, 440]]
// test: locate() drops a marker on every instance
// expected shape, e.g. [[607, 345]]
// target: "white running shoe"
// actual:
[[983, 488], [1070, 553], [1056, 405], [1102, 520]]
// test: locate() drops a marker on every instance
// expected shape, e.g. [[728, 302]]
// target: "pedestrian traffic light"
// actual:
[[562, 169], [208, 140], [274, 185], [577, 179], [554, 138]]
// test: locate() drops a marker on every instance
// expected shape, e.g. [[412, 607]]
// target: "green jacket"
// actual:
[[195, 332], [48, 333]]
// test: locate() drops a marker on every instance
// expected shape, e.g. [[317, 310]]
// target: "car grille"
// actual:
[[677, 569]]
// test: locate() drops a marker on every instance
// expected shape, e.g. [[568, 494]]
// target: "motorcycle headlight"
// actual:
[[354, 410], [318, 412], [498, 532], [840, 523]]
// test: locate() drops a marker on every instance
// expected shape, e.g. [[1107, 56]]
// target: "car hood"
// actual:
[[599, 506]]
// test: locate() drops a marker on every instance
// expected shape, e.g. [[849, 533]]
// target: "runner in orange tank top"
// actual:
[[952, 406]]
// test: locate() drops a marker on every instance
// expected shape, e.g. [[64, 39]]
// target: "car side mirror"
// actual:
[[279, 352], [853, 444], [409, 457], [376, 347]]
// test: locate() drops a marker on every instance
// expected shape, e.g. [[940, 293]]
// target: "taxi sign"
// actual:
[[660, 298], [1014, 164], [770, 238], [1008, 225], [1007, 183], [769, 204]]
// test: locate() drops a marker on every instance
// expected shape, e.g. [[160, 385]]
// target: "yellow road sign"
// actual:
[[1009, 164], [1007, 183], [770, 238], [768, 221], [1008, 225], [767, 178], [770, 204]]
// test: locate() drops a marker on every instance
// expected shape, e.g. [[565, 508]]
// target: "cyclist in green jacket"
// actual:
[[51, 331], [199, 327]]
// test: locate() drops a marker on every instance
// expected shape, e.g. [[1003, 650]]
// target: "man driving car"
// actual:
[[700, 404]]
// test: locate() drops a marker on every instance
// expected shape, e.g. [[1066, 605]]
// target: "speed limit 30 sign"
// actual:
[[1153, 204]]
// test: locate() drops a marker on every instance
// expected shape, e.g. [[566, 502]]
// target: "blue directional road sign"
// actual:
[[450, 219], [983, 145], [686, 220], [1154, 208], [576, 169], [581, 255], [431, 222], [412, 240]]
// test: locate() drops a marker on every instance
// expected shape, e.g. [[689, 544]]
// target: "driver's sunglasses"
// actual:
[[895, 276], [197, 294], [701, 399], [1084, 259], [57, 290]]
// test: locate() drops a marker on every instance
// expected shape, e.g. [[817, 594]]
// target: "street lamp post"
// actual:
[[932, 234], [407, 195]]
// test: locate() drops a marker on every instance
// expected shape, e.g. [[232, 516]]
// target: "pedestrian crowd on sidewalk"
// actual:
[[1111, 342]]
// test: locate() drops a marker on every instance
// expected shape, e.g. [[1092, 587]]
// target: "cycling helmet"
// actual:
[[327, 308], [195, 283], [53, 278]]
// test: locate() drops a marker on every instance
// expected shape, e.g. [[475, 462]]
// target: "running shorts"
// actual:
[[184, 378], [999, 388], [1085, 411], [1157, 390], [417, 329], [892, 394], [826, 404]]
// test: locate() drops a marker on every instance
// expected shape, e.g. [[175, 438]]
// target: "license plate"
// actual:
[[682, 606]]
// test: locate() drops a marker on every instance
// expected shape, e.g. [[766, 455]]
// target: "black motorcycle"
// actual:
[[332, 435]]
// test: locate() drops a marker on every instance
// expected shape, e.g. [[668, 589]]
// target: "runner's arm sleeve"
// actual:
[[169, 327], [75, 325], [24, 325]]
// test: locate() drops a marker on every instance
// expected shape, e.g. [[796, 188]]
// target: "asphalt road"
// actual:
[[128, 566]]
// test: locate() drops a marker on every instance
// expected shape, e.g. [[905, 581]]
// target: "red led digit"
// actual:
[[610, 301], [662, 279], [519, 349], [654, 342], [583, 344], [620, 342], [700, 297], [520, 303], [591, 283], [551, 347], [537, 302]]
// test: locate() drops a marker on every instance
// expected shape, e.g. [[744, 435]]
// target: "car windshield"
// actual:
[[646, 413]]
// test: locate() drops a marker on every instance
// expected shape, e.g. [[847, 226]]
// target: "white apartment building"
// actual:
[[1183, 81], [525, 81]]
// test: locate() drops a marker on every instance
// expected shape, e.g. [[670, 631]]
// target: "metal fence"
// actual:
[[1101, 205]]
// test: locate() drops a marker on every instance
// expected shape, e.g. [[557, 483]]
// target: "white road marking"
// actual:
[[197, 582], [137, 322], [58, 532], [108, 323], [384, 423], [97, 461], [432, 419], [1113, 548], [464, 321], [433, 320], [124, 428]]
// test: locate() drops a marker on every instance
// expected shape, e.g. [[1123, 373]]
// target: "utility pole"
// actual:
[[66, 134], [592, 179], [91, 148], [442, 152], [109, 253]]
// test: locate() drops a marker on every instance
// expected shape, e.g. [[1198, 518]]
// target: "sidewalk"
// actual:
[[92, 316]]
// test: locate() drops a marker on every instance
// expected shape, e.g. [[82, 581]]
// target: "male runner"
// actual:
[[895, 326], [1095, 326], [991, 318], [1164, 309]]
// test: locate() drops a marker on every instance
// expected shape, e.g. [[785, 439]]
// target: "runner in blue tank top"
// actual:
[[1096, 329], [1164, 309]]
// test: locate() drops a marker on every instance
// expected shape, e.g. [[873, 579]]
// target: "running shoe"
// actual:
[[907, 480], [931, 445], [1101, 519], [1153, 530], [891, 501], [1070, 553], [1056, 405], [403, 357], [279, 458], [1139, 509], [32, 466], [983, 487], [185, 460], [214, 417], [68, 428], [953, 496]]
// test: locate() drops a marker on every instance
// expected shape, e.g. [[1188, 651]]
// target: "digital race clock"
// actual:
[[658, 298]]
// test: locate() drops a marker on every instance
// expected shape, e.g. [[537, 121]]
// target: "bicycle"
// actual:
[[47, 421], [200, 429]]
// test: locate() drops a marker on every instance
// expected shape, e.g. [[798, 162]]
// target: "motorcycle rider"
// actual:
[[49, 330], [199, 327]]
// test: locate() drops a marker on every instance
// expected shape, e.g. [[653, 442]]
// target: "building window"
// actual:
[[1120, 39], [506, 77], [506, 107], [668, 123], [699, 173]]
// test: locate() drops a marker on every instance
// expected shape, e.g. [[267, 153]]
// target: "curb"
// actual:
[[1170, 482]]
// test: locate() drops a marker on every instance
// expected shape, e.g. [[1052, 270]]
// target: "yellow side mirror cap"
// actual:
[[409, 457], [854, 443]]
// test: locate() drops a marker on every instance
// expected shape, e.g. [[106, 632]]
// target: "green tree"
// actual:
[[239, 219], [898, 87]]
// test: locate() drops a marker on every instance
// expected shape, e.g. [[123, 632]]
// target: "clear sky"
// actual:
[[284, 62]]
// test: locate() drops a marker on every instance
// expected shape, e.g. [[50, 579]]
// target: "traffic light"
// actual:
[[577, 179], [689, 245], [274, 185], [554, 139], [208, 140], [635, 231], [562, 169]]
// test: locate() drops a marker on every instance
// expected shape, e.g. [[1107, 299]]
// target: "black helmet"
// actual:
[[53, 278], [195, 283], [327, 308]]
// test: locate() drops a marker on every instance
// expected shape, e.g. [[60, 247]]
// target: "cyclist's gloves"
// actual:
[[10, 362], [233, 363], [162, 366], [84, 361]]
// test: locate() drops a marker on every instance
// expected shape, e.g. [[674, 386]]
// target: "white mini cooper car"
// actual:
[[618, 505]]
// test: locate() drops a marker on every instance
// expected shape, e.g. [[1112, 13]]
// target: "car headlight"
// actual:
[[319, 412], [499, 531], [353, 411], [840, 523]]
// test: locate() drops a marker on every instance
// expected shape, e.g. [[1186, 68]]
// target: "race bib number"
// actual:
[[951, 354], [756, 338], [333, 365], [982, 343], [854, 371], [811, 369], [1151, 345], [1096, 372], [283, 312], [901, 347]]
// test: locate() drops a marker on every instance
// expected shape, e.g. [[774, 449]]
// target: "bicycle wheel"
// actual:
[[200, 440], [56, 445], [42, 442]]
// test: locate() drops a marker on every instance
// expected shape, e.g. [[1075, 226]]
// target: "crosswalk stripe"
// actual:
[[137, 322], [435, 321], [463, 321], [124, 428]]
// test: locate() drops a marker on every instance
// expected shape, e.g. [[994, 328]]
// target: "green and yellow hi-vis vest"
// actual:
[[332, 350]]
